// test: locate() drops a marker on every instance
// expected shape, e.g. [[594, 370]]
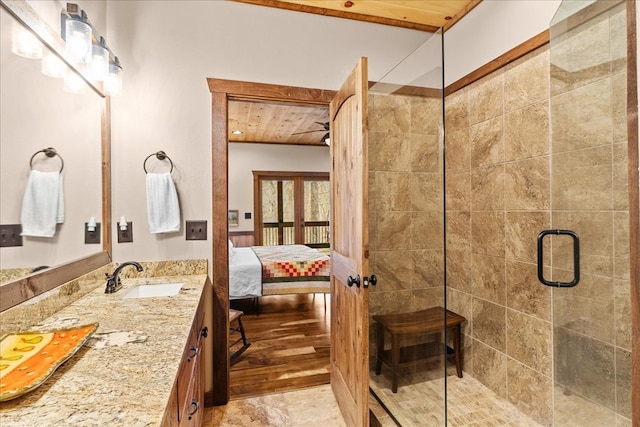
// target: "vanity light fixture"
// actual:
[[100, 61], [73, 83], [77, 34], [85, 46], [113, 84], [24, 43], [53, 66]]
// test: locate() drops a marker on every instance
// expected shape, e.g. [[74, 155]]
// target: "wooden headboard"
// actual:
[[242, 239]]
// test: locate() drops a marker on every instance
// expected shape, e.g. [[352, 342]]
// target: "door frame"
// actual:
[[221, 92]]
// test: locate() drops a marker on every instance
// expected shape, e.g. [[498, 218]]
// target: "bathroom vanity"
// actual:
[[142, 367]]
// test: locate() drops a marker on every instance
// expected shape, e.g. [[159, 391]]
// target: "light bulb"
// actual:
[[113, 84], [78, 41], [100, 62], [24, 43], [73, 83], [53, 66]]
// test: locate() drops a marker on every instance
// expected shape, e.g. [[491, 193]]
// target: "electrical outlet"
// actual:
[[10, 235], [91, 237], [196, 230], [125, 236]]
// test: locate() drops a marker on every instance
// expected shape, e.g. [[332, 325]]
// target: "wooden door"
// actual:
[[349, 248]]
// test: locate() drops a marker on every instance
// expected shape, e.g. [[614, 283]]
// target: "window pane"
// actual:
[[269, 201], [316, 212]]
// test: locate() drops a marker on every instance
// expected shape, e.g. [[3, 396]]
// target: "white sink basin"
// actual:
[[151, 291]]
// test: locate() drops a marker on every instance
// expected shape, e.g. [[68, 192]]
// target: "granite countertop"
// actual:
[[125, 372]]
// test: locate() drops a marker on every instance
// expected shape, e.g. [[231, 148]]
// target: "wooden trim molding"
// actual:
[[504, 59], [634, 204], [221, 92], [17, 291]]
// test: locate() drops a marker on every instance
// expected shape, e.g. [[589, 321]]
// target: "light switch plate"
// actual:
[[10, 235], [196, 230], [125, 236]]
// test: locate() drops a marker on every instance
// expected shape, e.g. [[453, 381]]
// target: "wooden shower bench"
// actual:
[[424, 322]]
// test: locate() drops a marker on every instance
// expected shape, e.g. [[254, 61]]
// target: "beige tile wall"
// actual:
[[405, 204], [502, 182]]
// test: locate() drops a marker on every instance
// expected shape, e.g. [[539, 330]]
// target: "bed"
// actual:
[[277, 270]]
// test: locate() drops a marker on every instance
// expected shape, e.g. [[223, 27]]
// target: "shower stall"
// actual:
[[522, 209]]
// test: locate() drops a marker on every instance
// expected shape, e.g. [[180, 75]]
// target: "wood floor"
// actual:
[[290, 345]]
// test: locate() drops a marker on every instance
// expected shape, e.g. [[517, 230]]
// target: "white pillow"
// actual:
[[232, 251]]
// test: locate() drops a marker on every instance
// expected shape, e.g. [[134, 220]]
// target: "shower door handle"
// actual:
[[576, 258]]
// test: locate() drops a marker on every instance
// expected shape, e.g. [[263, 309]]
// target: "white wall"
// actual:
[[168, 49], [246, 158]]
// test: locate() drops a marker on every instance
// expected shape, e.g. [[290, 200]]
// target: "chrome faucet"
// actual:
[[113, 281]]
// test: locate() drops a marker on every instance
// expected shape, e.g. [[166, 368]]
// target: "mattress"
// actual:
[[278, 270]]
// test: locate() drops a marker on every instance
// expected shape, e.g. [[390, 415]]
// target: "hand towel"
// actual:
[[162, 203], [43, 204]]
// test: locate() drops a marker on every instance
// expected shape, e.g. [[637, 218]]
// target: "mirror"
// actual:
[[36, 112]]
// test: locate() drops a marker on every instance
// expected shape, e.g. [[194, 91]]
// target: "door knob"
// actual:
[[351, 281], [366, 281]]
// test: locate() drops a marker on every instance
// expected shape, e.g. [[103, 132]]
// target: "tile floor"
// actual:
[[470, 405]]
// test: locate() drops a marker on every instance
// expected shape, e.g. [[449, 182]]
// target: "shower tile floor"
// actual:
[[420, 403], [470, 403]]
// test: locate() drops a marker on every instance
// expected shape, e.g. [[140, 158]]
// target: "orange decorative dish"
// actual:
[[27, 359]]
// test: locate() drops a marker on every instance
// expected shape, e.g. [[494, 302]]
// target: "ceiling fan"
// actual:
[[325, 128]]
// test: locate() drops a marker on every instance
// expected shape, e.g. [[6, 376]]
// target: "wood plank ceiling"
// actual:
[[263, 122]]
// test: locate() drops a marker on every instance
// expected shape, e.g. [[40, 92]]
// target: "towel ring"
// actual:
[[160, 155], [49, 152]]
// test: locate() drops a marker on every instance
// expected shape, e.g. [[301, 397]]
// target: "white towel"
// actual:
[[43, 204], [162, 203]]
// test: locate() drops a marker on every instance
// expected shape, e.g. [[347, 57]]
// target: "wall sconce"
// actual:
[[113, 84], [102, 64], [77, 34], [84, 50], [24, 43], [100, 61]]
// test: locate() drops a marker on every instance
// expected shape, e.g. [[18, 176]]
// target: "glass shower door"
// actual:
[[589, 197], [406, 228]]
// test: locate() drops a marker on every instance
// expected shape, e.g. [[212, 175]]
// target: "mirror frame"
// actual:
[[19, 290]]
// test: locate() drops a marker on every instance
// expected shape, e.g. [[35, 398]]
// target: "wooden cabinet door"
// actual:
[[349, 248]]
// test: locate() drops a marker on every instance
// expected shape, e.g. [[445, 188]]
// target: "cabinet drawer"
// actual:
[[189, 368]]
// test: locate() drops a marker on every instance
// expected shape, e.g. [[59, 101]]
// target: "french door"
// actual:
[[291, 208]]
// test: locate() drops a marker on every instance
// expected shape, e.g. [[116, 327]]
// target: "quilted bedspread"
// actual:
[[292, 263]]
